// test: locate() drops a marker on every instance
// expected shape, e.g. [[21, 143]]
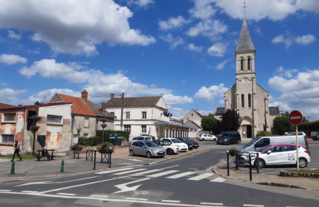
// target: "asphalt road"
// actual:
[[182, 182]]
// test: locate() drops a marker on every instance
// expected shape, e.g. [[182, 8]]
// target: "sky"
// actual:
[[183, 50]]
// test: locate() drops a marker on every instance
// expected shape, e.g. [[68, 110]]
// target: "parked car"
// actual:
[[169, 147], [146, 135], [146, 148], [299, 134], [143, 138], [182, 147], [191, 143], [316, 136], [260, 142], [278, 154], [229, 138], [204, 137]]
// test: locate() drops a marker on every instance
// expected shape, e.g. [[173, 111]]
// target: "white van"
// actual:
[[260, 142]]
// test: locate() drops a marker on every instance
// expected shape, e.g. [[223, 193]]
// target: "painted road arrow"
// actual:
[[124, 188]]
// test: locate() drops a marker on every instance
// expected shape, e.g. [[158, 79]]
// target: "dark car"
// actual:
[[190, 143], [229, 138]]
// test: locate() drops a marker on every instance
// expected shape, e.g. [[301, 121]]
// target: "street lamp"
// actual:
[[37, 104], [35, 128]]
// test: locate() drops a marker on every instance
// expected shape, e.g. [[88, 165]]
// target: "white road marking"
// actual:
[[111, 171], [124, 188], [138, 199], [180, 175], [162, 173], [66, 194], [200, 177], [130, 171], [136, 160], [145, 172], [313, 169], [99, 196], [218, 180], [5, 190], [29, 191], [170, 201], [213, 204], [252, 205], [49, 182]]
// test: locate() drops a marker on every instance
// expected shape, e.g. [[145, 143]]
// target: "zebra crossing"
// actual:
[[163, 172]]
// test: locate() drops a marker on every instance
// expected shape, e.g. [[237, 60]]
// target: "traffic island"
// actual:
[[300, 173]]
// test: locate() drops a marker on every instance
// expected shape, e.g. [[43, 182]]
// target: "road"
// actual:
[[182, 182]]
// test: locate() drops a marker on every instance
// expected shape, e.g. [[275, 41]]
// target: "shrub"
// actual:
[[263, 133], [90, 141], [105, 148], [232, 151], [76, 147], [107, 143]]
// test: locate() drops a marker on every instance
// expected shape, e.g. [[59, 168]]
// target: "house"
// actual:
[[144, 115], [86, 115], [194, 119], [2, 105], [54, 131]]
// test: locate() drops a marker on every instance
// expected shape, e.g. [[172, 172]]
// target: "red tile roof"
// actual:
[[79, 106], [2, 106]]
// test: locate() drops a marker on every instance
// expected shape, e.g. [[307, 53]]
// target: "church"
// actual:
[[248, 98]]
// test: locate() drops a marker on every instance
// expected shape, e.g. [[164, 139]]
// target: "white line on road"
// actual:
[[138, 199], [136, 160], [252, 205], [29, 191], [313, 169], [99, 196], [180, 175], [111, 171], [49, 182], [218, 180], [130, 171], [170, 201], [66, 194], [200, 177], [145, 172], [213, 204], [5, 190], [162, 173]]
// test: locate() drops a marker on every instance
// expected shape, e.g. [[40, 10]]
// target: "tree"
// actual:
[[210, 123], [230, 120], [282, 124]]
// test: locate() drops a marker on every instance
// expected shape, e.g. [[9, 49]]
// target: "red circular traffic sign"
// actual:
[[295, 117]]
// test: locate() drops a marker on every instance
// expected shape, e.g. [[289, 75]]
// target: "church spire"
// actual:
[[245, 44]]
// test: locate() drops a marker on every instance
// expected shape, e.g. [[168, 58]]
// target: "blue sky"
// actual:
[[183, 50]]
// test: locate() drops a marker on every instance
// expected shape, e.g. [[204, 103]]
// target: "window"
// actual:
[[276, 149], [112, 113], [289, 148], [248, 63], [242, 100], [242, 64], [127, 128], [86, 122], [144, 115], [9, 117], [263, 142], [86, 134], [249, 100], [9, 139], [54, 119], [128, 115], [143, 128]]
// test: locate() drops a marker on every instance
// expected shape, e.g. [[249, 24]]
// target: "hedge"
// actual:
[[263, 133], [99, 133], [90, 141], [309, 126]]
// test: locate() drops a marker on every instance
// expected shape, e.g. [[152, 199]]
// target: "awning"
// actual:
[[174, 125]]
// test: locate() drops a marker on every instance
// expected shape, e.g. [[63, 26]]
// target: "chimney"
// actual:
[[103, 104], [112, 95], [84, 96]]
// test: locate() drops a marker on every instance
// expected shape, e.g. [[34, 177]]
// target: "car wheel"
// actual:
[[170, 151], [302, 162], [203, 139], [131, 153], [261, 163], [148, 155]]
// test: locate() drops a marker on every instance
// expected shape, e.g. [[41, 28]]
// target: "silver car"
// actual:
[[146, 148]]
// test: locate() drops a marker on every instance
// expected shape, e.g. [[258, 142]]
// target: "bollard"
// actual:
[[94, 159], [86, 155], [12, 167], [110, 158], [62, 166], [250, 176], [227, 152], [257, 162], [236, 159]]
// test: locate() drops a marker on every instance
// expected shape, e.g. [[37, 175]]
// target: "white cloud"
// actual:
[[171, 99], [208, 28], [286, 73], [46, 95], [221, 102], [73, 28], [173, 23], [221, 65], [9, 96], [202, 10], [282, 106], [141, 3], [12, 59], [258, 30], [218, 49], [174, 42], [288, 40], [177, 112], [14, 35], [192, 47], [4, 84], [209, 94]]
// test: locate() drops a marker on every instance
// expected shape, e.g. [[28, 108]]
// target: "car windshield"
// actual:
[[176, 141], [151, 144], [253, 141], [184, 139], [225, 134], [263, 148]]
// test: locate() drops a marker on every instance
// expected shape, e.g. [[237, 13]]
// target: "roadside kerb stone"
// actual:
[[285, 173]]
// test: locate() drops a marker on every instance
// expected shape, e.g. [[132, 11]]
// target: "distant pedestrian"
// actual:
[[16, 150]]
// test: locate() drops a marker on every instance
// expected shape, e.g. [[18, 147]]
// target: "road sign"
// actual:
[[295, 117]]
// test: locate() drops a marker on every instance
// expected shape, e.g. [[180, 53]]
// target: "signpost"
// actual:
[[295, 118]]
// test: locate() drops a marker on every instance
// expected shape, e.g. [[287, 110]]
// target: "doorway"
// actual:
[[248, 131]]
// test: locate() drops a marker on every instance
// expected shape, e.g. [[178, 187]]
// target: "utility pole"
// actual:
[[122, 112]]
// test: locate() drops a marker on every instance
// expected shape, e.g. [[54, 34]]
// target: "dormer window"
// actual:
[[242, 64], [248, 63]]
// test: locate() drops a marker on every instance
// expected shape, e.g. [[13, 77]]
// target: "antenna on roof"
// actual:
[[244, 8]]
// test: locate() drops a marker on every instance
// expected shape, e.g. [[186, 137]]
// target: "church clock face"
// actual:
[[245, 80]]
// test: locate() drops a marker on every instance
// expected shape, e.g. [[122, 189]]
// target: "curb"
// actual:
[[107, 169]]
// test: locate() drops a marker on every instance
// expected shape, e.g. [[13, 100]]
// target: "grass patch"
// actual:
[[304, 171], [24, 157]]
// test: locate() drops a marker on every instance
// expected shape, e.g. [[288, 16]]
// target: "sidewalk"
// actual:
[[27, 169]]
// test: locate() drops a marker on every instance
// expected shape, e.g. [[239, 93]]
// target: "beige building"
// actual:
[[248, 98], [193, 119]]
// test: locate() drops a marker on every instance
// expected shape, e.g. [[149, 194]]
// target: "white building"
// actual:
[[144, 115]]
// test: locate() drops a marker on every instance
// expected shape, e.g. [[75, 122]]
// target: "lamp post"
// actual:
[[103, 126], [35, 127]]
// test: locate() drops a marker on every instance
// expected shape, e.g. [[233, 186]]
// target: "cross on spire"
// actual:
[[244, 8]]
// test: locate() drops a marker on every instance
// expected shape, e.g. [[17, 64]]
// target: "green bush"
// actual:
[[90, 141], [309, 126], [263, 133]]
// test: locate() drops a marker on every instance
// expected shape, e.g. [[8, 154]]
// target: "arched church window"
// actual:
[[249, 100], [248, 63], [242, 64], [242, 100]]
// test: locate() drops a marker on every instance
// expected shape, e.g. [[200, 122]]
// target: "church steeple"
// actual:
[[245, 44]]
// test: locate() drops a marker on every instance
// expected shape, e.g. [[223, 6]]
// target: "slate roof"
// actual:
[[191, 124], [220, 110], [133, 101], [98, 111], [245, 43], [274, 110], [2, 106]]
